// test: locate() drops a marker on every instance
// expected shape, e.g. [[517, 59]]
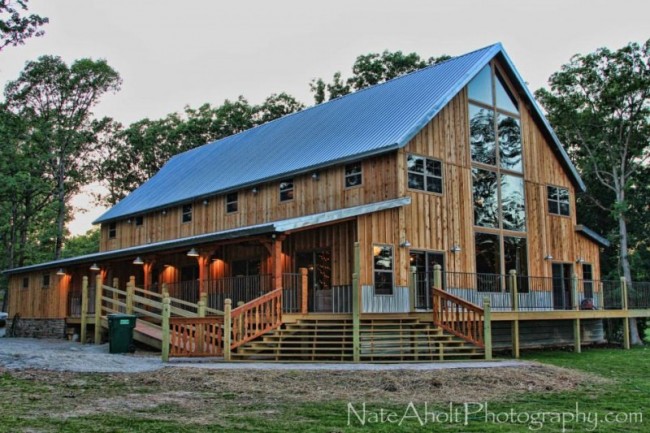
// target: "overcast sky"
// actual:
[[176, 53]]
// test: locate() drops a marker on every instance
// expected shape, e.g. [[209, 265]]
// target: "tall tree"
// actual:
[[56, 101], [15, 26], [370, 69], [600, 105]]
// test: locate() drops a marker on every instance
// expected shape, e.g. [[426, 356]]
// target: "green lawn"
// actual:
[[30, 402]]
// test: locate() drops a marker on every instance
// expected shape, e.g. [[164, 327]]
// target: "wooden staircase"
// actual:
[[381, 340]]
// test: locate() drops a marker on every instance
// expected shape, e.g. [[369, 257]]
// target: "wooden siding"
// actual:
[[35, 301], [310, 197]]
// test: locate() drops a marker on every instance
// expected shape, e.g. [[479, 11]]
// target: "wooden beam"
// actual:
[[84, 309], [98, 309], [514, 293], [166, 313], [356, 306], [277, 263], [227, 329], [577, 342], [487, 328]]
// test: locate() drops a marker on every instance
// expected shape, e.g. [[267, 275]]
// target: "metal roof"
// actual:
[[371, 121], [286, 225], [592, 235]]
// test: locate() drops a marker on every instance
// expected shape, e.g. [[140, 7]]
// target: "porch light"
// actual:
[[192, 253], [548, 257], [455, 248], [315, 176], [205, 202], [254, 190], [94, 267], [60, 272], [405, 244], [138, 261]]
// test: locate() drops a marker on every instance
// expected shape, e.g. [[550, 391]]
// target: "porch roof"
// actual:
[[592, 235], [258, 229]]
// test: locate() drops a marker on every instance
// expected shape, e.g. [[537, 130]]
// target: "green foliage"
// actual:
[[599, 104], [15, 27], [80, 245], [370, 69]]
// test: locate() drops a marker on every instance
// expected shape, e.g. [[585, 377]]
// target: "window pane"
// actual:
[[564, 209], [488, 253], [485, 198], [434, 184], [383, 257], [415, 163], [418, 259], [481, 121], [416, 181], [563, 195], [553, 207], [509, 143], [434, 168], [552, 193], [513, 205], [505, 100], [515, 255], [383, 283], [286, 190], [353, 174], [353, 169], [480, 88]]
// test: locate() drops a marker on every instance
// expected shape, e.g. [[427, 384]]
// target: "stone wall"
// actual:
[[40, 328]]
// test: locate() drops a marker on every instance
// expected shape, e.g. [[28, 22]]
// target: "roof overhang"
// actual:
[[287, 225], [586, 231]]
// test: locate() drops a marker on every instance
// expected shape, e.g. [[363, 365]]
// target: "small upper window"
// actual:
[[46, 281], [424, 173], [558, 201], [286, 190], [353, 175], [187, 213], [139, 220], [112, 230], [231, 202], [25, 283]]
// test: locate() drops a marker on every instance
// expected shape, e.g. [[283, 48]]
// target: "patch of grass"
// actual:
[[185, 403]]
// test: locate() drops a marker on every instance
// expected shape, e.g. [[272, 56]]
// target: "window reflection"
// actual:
[[482, 142], [509, 143], [488, 253], [513, 206], [480, 88], [505, 100], [486, 203]]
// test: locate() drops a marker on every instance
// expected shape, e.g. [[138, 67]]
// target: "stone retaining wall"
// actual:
[[40, 328]]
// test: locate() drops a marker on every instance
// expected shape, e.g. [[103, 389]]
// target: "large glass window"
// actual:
[[383, 269], [480, 88], [481, 124], [513, 206], [424, 174], [558, 200], [486, 199], [509, 143]]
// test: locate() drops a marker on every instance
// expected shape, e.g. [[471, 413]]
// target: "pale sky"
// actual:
[[176, 53]]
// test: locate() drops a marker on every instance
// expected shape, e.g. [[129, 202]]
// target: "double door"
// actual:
[[562, 273]]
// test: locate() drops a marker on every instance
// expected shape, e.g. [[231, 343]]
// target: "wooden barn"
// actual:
[[429, 217]]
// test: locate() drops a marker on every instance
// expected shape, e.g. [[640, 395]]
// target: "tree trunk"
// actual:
[[625, 265], [60, 217]]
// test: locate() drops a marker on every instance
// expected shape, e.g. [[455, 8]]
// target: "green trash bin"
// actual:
[[120, 333]]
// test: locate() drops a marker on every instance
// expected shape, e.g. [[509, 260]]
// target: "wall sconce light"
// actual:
[[205, 202], [94, 267], [192, 253], [254, 190], [315, 176], [455, 248], [405, 244], [138, 261], [580, 260], [128, 221], [164, 212], [548, 257], [60, 272]]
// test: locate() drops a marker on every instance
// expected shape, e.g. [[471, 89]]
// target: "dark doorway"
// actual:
[[424, 261], [319, 277], [562, 286]]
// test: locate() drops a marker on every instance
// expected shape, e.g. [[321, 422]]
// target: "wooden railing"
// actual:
[[253, 319], [459, 317], [196, 336]]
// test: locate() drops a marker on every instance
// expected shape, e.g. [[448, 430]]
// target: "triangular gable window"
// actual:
[[505, 100]]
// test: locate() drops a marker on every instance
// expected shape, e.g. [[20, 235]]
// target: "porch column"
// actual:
[[203, 261], [276, 255], [146, 272]]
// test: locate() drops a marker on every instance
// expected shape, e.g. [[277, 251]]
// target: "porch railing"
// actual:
[[238, 289], [255, 318], [459, 317]]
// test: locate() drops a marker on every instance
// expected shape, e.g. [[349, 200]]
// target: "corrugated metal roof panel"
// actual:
[[371, 121]]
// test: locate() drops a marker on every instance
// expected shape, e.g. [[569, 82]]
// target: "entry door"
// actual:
[[424, 261], [319, 278], [562, 286]]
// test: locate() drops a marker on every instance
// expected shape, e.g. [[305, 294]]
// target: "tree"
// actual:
[[56, 101], [370, 69], [600, 105], [80, 245], [15, 28]]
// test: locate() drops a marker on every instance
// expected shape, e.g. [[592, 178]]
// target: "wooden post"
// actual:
[[227, 329], [200, 312], [575, 299], [277, 263], [356, 310], [130, 291], [116, 298], [626, 319], [413, 288], [577, 342], [304, 291], [84, 309], [165, 289], [202, 304], [514, 293], [437, 276], [487, 328], [166, 314], [98, 308]]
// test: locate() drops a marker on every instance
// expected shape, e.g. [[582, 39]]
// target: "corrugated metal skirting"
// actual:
[[398, 302]]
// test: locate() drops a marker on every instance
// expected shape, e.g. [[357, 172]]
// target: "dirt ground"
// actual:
[[205, 395]]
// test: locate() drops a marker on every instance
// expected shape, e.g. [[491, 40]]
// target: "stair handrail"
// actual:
[[459, 317], [255, 318]]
